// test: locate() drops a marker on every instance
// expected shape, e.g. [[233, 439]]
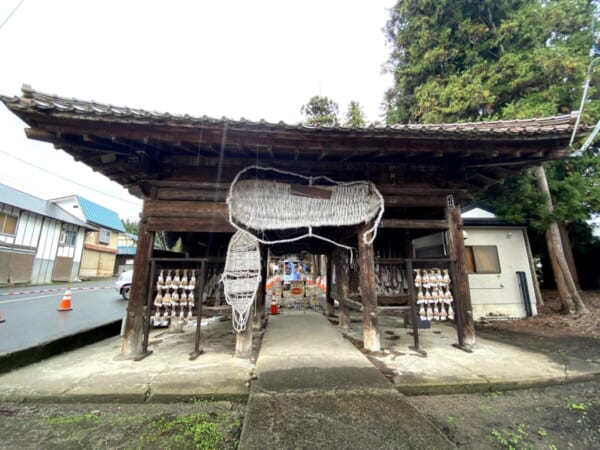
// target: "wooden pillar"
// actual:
[[243, 339], [329, 277], [456, 247], [259, 313], [341, 282], [368, 293], [133, 336]]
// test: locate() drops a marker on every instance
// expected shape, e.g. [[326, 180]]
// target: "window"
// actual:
[[68, 237], [8, 224], [104, 236], [482, 259]]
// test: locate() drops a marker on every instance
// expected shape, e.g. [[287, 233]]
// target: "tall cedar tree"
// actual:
[[320, 111], [355, 116], [500, 59]]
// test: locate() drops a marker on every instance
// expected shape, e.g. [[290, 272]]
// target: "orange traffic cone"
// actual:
[[273, 309], [65, 303]]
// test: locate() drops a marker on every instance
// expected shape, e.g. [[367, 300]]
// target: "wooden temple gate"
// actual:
[[182, 168]]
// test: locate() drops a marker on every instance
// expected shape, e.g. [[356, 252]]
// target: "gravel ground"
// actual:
[[557, 417], [118, 426]]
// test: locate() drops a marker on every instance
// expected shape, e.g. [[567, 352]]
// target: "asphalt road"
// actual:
[[31, 316]]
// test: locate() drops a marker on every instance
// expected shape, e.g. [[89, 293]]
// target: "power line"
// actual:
[[69, 181], [11, 13]]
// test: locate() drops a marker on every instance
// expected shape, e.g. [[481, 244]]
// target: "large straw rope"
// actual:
[[267, 205]]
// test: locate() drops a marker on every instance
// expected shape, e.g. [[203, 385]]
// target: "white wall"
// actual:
[[500, 294]]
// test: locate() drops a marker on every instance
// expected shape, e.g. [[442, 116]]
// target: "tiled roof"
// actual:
[[32, 100], [100, 215], [26, 202]]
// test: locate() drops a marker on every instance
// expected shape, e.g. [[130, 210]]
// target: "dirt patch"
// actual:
[[558, 417], [549, 321], [198, 424]]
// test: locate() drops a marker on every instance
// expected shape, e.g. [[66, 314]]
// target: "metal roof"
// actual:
[[100, 215], [27, 202]]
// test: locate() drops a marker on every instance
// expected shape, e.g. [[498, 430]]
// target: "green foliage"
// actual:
[[355, 116], [512, 440], [478, 60], [575, 406], [320, 111], [77, 419], [132, 226], [487, 59]]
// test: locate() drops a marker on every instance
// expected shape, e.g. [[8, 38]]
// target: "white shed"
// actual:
[[499, 263]]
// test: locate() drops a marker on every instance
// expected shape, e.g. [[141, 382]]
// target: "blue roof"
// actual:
[[100, 215], [126, 250], [18, 199]]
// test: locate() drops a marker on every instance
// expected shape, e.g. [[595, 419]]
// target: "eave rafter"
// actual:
[[134, 146]]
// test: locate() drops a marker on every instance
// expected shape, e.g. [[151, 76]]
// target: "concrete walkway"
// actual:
[[316, 390]]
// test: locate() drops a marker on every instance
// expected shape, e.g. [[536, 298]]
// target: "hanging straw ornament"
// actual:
[[418, 279], [429, 312], [161, 279], [420, 296], [446, 277], [422, 312], [190, 305], [176, 279], [241, 277], [184, 279], [192, 282], [443, 313], [157, 304], [425, 278], [450, 312], [168, 279]]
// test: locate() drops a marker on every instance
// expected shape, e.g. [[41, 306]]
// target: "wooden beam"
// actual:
[[186, 209], [196, 195], [243, 339], [342, 283], [414, 224], [402, 201], [133, 336], [330, 310], [392, 310], [183, 224], [462, 294], [371, 338]]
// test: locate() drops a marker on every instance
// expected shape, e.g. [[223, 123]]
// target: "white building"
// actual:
[[499, 263], [39, 241]]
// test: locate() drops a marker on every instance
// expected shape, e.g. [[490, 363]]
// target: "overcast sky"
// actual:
[[251, 59]]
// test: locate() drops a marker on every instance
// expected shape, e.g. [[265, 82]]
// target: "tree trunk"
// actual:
[[565, 298], [566, 243], [555, 243]]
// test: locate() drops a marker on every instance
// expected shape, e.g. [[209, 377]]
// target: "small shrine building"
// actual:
[[183, 167]]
